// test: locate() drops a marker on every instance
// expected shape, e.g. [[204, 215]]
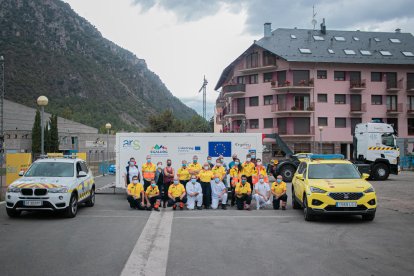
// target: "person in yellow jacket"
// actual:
[[135, 194], [205, 176], [235, 174], [177, 194], [148, 172], [279, 193], [248, 170], [183, 173], [259, 170], [243, 194], [152, 196], [194, 168], [219, 169]]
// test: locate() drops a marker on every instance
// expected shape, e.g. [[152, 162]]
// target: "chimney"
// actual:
[[267, 29], [398, 30], [323, 27]]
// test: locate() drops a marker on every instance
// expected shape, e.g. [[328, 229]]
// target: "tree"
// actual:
[[54, 133], [166, 122], [36, 134]]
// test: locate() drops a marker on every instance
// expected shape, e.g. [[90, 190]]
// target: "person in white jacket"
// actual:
[[194, 193], [262, 193], [218, 193]]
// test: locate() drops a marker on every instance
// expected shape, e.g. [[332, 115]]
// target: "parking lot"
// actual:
[[110, 239]]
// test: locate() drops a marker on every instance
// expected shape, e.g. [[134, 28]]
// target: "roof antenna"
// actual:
[[313, 17]]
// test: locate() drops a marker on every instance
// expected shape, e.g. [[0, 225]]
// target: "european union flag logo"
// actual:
[[219, 148]]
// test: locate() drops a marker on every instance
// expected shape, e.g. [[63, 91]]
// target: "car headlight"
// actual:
[[58, 190], [317, 190], [369, 190], [12, 189]]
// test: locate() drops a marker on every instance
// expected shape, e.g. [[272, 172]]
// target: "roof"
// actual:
[[283, 44]]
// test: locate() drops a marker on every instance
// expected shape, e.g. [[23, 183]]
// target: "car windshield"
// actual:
[[333, 171], [50, 169]]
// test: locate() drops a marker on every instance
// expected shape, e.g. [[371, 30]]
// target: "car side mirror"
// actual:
[[300, 176], [21, 173], [82, 174], [365, 176]]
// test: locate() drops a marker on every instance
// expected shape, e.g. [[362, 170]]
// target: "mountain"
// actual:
[[50, 50]]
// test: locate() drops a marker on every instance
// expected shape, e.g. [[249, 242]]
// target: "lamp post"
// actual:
[[1, 124], [320, 139], [42, 101], [108, 127]]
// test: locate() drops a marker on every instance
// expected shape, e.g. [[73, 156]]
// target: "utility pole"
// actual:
[[204, 88]]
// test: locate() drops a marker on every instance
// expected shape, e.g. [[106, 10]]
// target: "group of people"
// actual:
[[197, 185]]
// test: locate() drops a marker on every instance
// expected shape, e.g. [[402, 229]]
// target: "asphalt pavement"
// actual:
[[110, 239]]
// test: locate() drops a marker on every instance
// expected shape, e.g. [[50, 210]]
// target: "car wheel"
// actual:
[[295, 204], [381, 171], [306, 210], [91, 200], [368, 217], [72, 209], [13, 213], [287, 172]]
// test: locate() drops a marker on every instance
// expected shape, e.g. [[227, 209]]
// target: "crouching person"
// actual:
[[152, 196], [176, 195], [243, 193], [135, 192], [218, 193], [262, 192], [279, 193], [194, 193]]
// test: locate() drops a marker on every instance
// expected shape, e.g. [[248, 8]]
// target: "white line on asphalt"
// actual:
[[227, 217], [103, 216], [150, 254]]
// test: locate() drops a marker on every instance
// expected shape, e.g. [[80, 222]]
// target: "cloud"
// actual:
[[339, 14]]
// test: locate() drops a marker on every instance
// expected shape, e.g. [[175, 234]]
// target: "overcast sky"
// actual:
[[182, 40]]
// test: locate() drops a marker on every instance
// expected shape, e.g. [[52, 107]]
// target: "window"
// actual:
[[269, 58], [410, 81], [268, 100], [340, 122], [331, 51], [267, 77], [365, 52], [387, 139], [339, 75], [252, 60], [395, 40], [410, 103], [293, 36], [253, 79], [322, 98], [376, 76], [305, 51], [322, 74], [254, 101], [254, 123], [268, 123], [322, 121], [377, 39], [349, 52], [385, 53], [408, 54], [339, 38], [392, 103], [410, 125], [318, 38], [340, 99], [394, 123], [240, 80], [356, 38], [376, 99]]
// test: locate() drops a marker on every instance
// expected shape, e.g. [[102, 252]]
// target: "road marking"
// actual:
[[103, 216], [227, 217], [150, 254]]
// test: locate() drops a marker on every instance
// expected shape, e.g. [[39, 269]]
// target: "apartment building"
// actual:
[[313, 86]]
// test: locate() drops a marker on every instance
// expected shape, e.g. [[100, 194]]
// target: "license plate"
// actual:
[[33, 203], [346, 204]]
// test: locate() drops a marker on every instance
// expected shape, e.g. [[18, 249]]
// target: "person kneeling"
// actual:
[[152, 195], [135, 192], [218, 193], [176, 194], [262, 193], [279, 193], [243, 194], [194, 193]]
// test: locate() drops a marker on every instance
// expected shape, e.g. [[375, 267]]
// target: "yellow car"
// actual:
[[328, 184]]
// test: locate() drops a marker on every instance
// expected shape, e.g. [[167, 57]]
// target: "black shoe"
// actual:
[[275, 208], [207, 207], [156, 209], [224, 207], [164, 205], [199, 208], [149, 208], [283, 208]]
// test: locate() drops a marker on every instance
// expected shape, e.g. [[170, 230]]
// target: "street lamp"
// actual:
[[108, 127], [320, 139], [42, 101]]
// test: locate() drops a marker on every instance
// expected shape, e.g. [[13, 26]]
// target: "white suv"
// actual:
[[57, 184]]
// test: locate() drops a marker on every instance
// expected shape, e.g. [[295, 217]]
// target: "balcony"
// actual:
[[298, 134], [287, 111], [396, 110], [258, 69], [233, 129], [358, 109], [357, 86], [394, 87], [221, 101], [287, 86], [235, 113], [410, 89], [220, 119], [234, 90]]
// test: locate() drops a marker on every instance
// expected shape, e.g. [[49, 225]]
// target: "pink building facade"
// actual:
[[313, 94]]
